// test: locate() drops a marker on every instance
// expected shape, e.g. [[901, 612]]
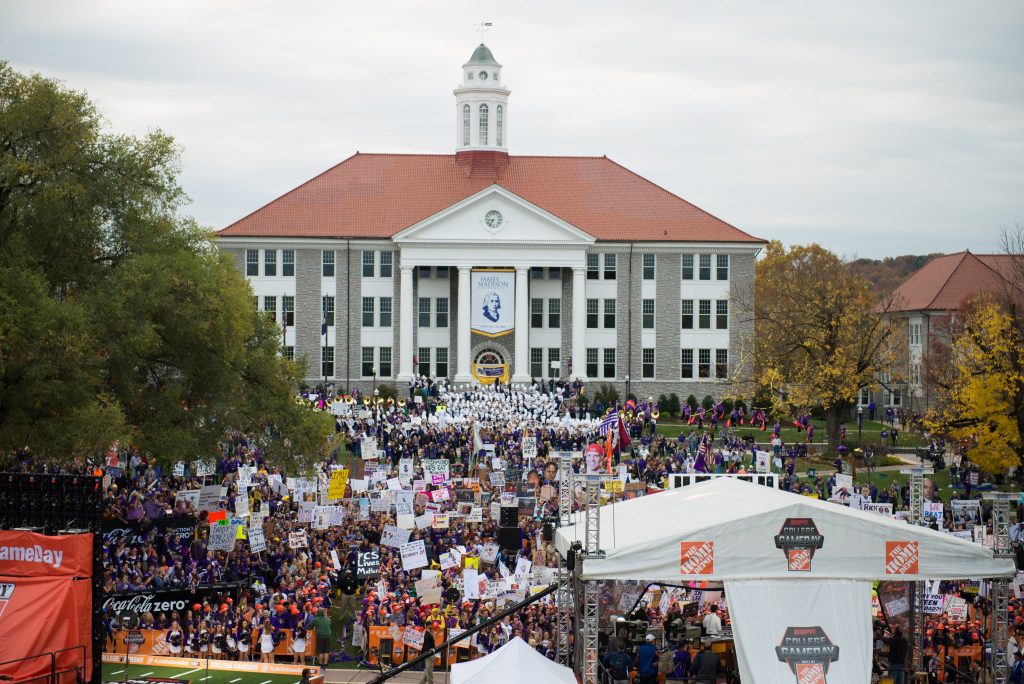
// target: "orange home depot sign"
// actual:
[[697, 558], [901, 558]]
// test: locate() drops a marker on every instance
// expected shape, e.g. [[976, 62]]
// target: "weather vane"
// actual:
[[483, 27]]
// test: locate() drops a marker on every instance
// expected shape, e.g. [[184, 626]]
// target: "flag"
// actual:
[[623, 436], [323, 324], [608, 422]]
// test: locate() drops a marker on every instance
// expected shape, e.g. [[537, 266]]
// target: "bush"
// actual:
[[609, 395], [387, 391], [673, 404], [708, 403], [663, 404], [739, 405], [727, 405], [583, 402], [691, 401]]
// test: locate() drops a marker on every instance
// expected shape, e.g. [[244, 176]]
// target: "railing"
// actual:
[[676, 480], [59, 672]]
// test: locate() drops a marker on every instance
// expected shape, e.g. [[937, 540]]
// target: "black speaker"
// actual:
[[509, 538], [548, 532], [509, 516]]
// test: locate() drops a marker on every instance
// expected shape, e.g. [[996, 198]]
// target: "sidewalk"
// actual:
[[337, 676]]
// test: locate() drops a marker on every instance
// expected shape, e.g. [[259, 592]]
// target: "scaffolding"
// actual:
[[564, 604], [915, 482], [1001, 548]]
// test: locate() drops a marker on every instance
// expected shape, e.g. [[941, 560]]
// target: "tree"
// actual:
[[821, 334], [119, 318]]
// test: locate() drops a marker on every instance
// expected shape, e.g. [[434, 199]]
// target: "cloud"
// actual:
[[874, 128]]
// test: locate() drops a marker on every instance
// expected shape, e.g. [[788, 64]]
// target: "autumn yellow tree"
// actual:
[[983, 405], [820, 332]]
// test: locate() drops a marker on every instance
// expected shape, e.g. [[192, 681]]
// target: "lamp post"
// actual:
[[860, 426], [375, 393], [627, 386]]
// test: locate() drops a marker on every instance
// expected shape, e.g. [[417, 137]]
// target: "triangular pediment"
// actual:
[[494, 215]]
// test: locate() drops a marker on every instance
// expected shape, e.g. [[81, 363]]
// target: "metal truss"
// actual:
[[1001, 548], [915, 477]]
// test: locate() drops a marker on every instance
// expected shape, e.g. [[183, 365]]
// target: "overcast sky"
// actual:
[[873, 127]]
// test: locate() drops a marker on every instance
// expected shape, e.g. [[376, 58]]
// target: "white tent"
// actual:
[[727, 529], [797, 571], [513, 663]]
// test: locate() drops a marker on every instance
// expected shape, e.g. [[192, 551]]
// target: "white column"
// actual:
[[405, 371], [579, 322], [521, 369], [462, 336]]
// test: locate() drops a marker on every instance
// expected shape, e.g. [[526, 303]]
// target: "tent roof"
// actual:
[[728, 529], [515, 662]]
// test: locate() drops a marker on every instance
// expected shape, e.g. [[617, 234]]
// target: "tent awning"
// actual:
[[513, 663], [726, 529]]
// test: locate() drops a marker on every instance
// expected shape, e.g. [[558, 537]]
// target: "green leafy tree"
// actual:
[[119, 319]]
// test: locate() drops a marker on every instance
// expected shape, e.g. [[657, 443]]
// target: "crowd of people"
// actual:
[[159, 532]]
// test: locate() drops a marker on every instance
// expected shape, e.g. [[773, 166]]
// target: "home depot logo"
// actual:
[[901, 558], [808, 651], [799, 539], [696, 558]]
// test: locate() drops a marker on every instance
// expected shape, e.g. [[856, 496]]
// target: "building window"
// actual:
[[289, 353], [647, 367], [387, 259], [554, 313], [537, 273], [441, 366], [915, 374], [592, 313], [270, 262], [554, 273], [554, 362], [423, 361], [385, 312], [327, 361], [441, 312], [483, 124], [442, 272], [895, 397], [705, 267], [704, 315], [369, 261], [609, 363], [648, 314], [385, 362], [536, 362], [536, 313], [328, 310], [593, 266], [288, 263], [465, 122], [722, 363], [424, 272], [610, 261], [686, 360], [722, 267], [367, 312], [327, 261], [256, 303], [915, 333], [648, 267], [366, 365], [424, 312], [252, 262], [591, 363], [704, 363], [288, 310], [722, 314], [499, 133], [609, 313], [270, 306], [687, 309], [687, 267]]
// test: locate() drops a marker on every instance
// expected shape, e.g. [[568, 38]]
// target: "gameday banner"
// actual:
[[802, 631], [492, 301], [210, 663], [27, 554]]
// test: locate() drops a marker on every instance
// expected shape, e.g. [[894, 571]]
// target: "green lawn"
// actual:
[[114, 672], [871, 433]]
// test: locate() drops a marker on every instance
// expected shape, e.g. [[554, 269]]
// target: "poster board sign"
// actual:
[[339, 481], [763, 465], [367, 564], [246, 476], [368, 448], [492, 301], [395, 537], [435, 470], [222, 538], [257, 542], [209, 498], [298, 540], [529, 447], [414, 555], [203, 468]]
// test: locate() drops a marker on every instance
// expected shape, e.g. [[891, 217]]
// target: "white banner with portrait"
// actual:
[[493, 297]]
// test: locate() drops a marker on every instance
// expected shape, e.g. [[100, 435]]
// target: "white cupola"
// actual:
[[481, 105]]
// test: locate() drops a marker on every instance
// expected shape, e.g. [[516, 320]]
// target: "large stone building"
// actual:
[[480, 264]]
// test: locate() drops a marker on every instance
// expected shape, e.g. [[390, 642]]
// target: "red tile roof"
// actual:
[[944, 282], [378, 195]]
